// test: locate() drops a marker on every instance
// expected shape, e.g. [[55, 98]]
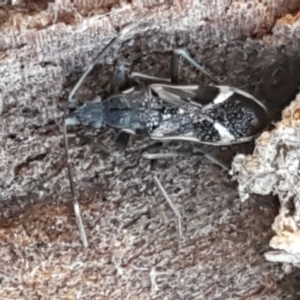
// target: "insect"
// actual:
[[213, 115], [165, 110]]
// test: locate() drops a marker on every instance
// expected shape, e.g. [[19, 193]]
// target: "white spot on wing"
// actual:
[[227, 89], [225, 135], [225, 93]]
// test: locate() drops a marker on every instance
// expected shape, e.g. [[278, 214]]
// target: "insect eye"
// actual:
[[72, 109], [73, 106]]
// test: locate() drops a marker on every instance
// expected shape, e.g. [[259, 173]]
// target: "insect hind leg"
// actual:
[[188, 153], [177, 53]]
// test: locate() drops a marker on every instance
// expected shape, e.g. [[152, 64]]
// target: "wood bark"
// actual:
[[134, 250]]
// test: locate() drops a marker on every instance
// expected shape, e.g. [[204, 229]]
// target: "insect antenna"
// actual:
[[75, 202], [90, 68], [122, 36], [70, 97]]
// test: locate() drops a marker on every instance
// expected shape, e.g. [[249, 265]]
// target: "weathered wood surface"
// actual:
[[134, 250]]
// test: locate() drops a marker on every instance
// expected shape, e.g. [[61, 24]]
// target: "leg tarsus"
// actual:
[[76, 206], [170, 202], [184, 53]]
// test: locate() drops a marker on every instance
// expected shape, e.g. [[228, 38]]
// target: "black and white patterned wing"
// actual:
[[217, 115]]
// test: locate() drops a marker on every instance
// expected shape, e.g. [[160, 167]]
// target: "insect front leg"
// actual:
[[120, 78], [175, 61]]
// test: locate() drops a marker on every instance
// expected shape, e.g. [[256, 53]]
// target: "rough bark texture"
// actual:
[[134, 250], [273, 168]]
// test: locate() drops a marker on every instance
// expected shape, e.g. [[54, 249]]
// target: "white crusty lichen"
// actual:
[[274, 168]]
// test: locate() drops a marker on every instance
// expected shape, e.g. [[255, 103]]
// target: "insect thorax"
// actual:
[[140, 111]]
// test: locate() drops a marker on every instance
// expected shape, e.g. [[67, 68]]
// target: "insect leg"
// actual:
[[120, 78], [175, 65], [122, 36], [70, 98], [89, 69], [168, 199], [75, 202], [136, 75], [186, 154]]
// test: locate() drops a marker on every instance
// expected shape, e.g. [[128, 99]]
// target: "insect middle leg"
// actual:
[[174, 69]]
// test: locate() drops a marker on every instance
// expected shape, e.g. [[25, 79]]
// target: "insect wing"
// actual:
[[241, 114], [224, 115], [179, 95]]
